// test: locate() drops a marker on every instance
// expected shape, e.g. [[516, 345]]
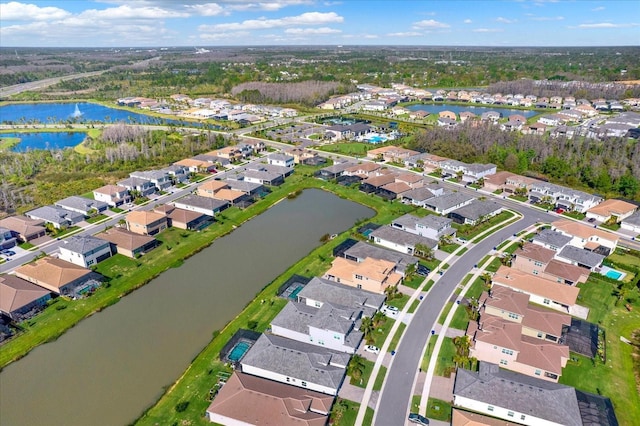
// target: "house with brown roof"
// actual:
[[231, 153], [467, 115], [20, 299], [538, 260], [363, 170], [371, 274], [196, 166], [113, 195], [587, 237], [617, 210], [128, 243], [541, 291], [249, 400], [394, 190], [232, 197], [448, 114], [181, 219], [497, 181], [24, 228], [210, 187], [146, 222], [373, 184], [58, 276], [519, 337]]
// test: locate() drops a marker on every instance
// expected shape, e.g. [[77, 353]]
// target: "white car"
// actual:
[[390, 309], [372, 349]]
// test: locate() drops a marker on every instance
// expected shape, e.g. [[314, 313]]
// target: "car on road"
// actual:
[[372, 349], [418, 419]]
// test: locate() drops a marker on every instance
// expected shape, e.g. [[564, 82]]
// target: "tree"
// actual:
[[628, 185], [356, 367], [367, 329], [423, 251]]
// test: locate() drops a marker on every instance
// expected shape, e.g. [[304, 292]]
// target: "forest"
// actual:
[[610, 167]]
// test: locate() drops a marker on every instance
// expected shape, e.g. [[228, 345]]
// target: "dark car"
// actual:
[[422, 270], [418, 419], [591, 219]]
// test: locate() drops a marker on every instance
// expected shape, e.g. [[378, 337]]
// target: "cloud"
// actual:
[[467, 21], [128, 12], [405, 34], [312, 31], [547, 18], [505, 20], [14, 11], [309, 18], [206, 9], [605, 25], [598, 9], [429, 24], [487, 30]]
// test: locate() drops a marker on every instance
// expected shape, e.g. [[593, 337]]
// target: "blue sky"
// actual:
[[165, 23]]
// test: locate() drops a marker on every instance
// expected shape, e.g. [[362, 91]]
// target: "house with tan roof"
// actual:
[[24, 228], [231, 153], [20, 299], [249, 400], [517, 182], [210, 187], [393, 190], [538, 260], [371, 274], [113, 195], [448, 114], [587, 237], [497, 181], [181, 219], [467, 418], [518, 336], [128, 243], [196, 166], [57, 275], [541, 291], [146, 222], [232, 197], [617, 210]]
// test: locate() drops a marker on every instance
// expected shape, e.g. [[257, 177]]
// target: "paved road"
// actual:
[[395, 398]]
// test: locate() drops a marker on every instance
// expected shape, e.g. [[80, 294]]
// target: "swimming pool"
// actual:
[[612, 273], [376, 139], [238, 351]]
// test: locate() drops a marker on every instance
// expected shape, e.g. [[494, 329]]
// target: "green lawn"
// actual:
[[445, 364], [449, 248], [414, 306], [494, 265], [445, 312], [415, 403], [366, 374], [414, 282], [438, 410], [470, 232], [97, 218], [345, 412], [399, 302], [424, 365], [396, 337], [377, 385], [460, 319], [518, 198], [348, 148]]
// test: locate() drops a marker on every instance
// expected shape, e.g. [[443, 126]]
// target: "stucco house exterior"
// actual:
[[128, 243], [20, 299], [113, 195], [587, 237], [85, 250], [24, 228], [608, 209], [371, 274], [56, 275], [85, 206], [146, 222], [429, 226], [632, 223]]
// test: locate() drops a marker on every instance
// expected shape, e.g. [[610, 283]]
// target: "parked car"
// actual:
[[591, 219], [389, 308], [422, 270], [559, 211], [9, 252], [418, 419], [372, 349]]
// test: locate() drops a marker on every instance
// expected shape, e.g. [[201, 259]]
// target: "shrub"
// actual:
[[182, 406]]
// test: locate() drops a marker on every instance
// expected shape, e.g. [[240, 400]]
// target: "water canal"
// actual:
[[111, 366]]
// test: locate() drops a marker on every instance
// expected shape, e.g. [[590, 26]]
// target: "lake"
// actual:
[[45, 140], [111, 366], [478, 110], [57, 112]]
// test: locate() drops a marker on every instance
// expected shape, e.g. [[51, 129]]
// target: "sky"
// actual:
[[198, 23]]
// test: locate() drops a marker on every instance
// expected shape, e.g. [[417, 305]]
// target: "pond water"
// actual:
[[82, 112], [45, 140], [111, 366], [477, 110]]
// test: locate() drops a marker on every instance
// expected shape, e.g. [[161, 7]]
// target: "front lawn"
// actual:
[[438, 410], [460, 319], [396, 337], [345, 412], [469, 232], [445, 365]]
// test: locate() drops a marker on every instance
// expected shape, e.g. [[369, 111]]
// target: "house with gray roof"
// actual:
[[319, 291], [57, 216], [430, 226], [7, 239], [447, 203], [143, 187], [248, 188], [475, 212], [295, 363], [580, 257], [401, 241], [562, 197], [417, 196], [159, 178], [527, 400], [204, 205], [270, 168], [280, 159], [85, 250], [552, 240], [361, 250], [332, 326], [263, 177], [83, 205], [334, 171], [632, 223]]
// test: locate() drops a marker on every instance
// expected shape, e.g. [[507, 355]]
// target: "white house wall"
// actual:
[[271, 375], [501, 412]]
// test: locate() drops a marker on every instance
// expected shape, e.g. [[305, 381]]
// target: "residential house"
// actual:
[[204, 205], [446, 122], [417, 197], [58, 217], [197, 166], [7, 239], [430, 226], [263, 177], [113, 195], [159, 178], [85, 250], [448, 114], [58, 276], [334, 171], [146, 222], [393, 190], [580, 257], [587, 237], [360, 251], [401, 241], [341, 131], [20, 299], [319, 291], [249, 400], [231, 153], [492, 116], [517, 183], [234, 198], [140, 187], [295, 363], [475, 212], [413, 180], [467, 418], [535, 129], [391, 153], [467, 116], [541, 291], [562, 197], [551, 240], [614, 210], [280, 159], [363, 170], [475, 171], [632, 223], [497, 181], [85, 206], [23, 228], [516, 397], [182, 219], [210, 187], [251, 189], [373, 184], [128, 243], [538, 260], [177, 173], [333, 326], [371, 274], [447, 203]]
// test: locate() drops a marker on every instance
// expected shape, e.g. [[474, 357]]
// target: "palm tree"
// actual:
[[424, 251], [356, 367], [378, 319], [367, 327]]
